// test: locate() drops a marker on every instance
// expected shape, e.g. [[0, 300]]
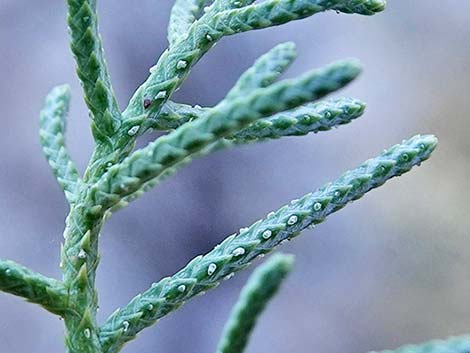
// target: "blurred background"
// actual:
[[390, 269]]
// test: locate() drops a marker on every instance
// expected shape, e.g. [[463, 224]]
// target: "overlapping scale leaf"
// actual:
[[173, 115], [264, 72], [222, 5]]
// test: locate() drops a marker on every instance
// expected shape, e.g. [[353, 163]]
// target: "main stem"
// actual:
[[79, 262]]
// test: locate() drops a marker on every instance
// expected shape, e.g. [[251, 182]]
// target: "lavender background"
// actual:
[[390, 269]]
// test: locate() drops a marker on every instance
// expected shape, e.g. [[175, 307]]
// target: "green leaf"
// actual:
[[261, 238], [221, 121], [34, 287], [52, 135], [260, 289]]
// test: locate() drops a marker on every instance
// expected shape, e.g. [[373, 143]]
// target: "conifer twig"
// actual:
[[34, 287], [92, 69], [260, 289], [257, 108], [237, 251], [223, 120], [315, 117], [175, 64], [263, 73], [52, 132]]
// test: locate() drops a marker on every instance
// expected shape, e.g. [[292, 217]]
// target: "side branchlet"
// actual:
[[34, 287], [52, 133], [238, 250], [262, 286]]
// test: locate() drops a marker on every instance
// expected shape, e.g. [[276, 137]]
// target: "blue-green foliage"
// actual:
[[257, 108]]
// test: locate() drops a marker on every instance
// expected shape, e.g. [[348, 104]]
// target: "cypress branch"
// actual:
[[92, 70], [263, 73], [312, 117], [255, 109], [34, 287], [277, 12], [223, 120], [52, 135], [175, 63], [262, 286], [315, 117], [80, 258], [237, 251]]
